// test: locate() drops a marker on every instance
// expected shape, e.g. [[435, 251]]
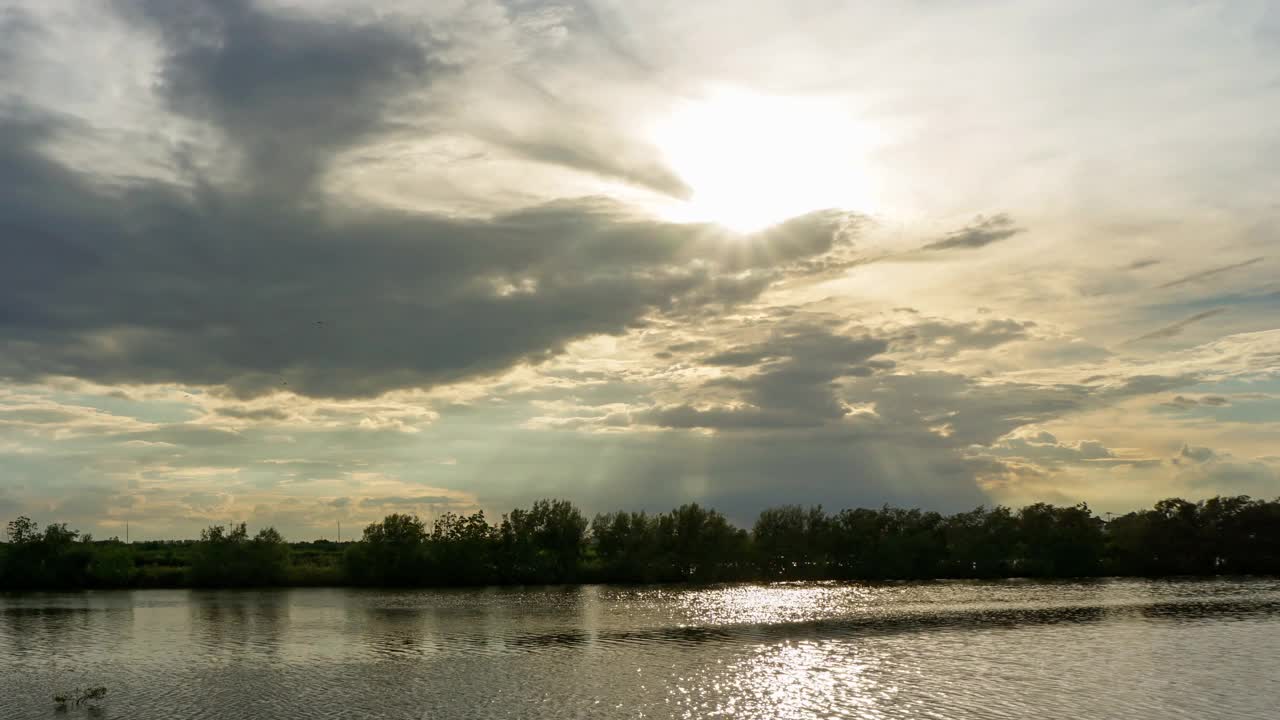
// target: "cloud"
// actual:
[[1176, 328], [1044, 451], [287, 92], [1197, 276], [52, 419], [792, 385], [400, 500], [149, 283], [592, 148], [1142, 263], [256, 414], [982, 232], [1195, 454], [298, 254], [935, 335], [821, 383], [1183, 402], [16, 29], [1206, 471]]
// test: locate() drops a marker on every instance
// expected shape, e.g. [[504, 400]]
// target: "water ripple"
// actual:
[[1097, 649]]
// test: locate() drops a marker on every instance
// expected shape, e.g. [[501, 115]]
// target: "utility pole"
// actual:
[[339, 532], [126, 533]]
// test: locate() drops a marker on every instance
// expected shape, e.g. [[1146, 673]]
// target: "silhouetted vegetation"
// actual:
[[228, 558], [79, 697], [552, 542]]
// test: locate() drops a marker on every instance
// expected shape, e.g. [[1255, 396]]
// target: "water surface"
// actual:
[[1013, 649]]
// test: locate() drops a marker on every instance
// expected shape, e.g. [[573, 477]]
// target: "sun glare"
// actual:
[[752, 160]]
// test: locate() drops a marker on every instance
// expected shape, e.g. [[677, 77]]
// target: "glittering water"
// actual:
[[1105, 649]]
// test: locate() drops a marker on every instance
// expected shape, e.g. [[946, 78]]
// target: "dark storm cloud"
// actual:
[[829, 383], [225, 284], [793, 387], [287, 91], [982, 232], [811, 375], [1196, 276], [1175, 329], [789, 437]]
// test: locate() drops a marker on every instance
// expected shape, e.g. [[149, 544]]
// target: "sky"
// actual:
[[305, 264]]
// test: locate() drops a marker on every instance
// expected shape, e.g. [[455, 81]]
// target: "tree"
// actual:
[[268, 558], [112, 565], [626, 545], [700, 545], [462, 549], [543, 544], [791, 542], [229, 558], [391, 552], [980, 543], [1060, 542], [23, 530], [52, 559]]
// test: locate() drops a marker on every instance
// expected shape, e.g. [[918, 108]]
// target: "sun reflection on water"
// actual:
[[793, 680], [761, 605]]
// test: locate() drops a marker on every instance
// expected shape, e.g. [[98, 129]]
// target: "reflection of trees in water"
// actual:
[[895, 623], [59, 629], [54, 635], [240, 622], [490, 620]]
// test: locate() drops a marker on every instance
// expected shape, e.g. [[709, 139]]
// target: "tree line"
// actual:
[[553, 542]]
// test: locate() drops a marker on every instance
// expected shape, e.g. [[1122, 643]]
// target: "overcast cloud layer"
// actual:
[[309, 263]]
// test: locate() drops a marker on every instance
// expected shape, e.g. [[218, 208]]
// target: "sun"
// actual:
[[752, 161]]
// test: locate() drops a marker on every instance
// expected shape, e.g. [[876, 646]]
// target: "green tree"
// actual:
[[462, 549], [626, 545], [980, 543], [23, 530], [1060, 541], [543, 544], [791, 542], [112, 565], [227, 557], [700, 545], [391, 552]]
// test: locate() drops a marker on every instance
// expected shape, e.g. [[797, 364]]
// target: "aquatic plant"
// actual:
[[78, 697]]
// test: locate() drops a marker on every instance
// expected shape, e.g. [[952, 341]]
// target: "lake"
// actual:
[[1009, 649]]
